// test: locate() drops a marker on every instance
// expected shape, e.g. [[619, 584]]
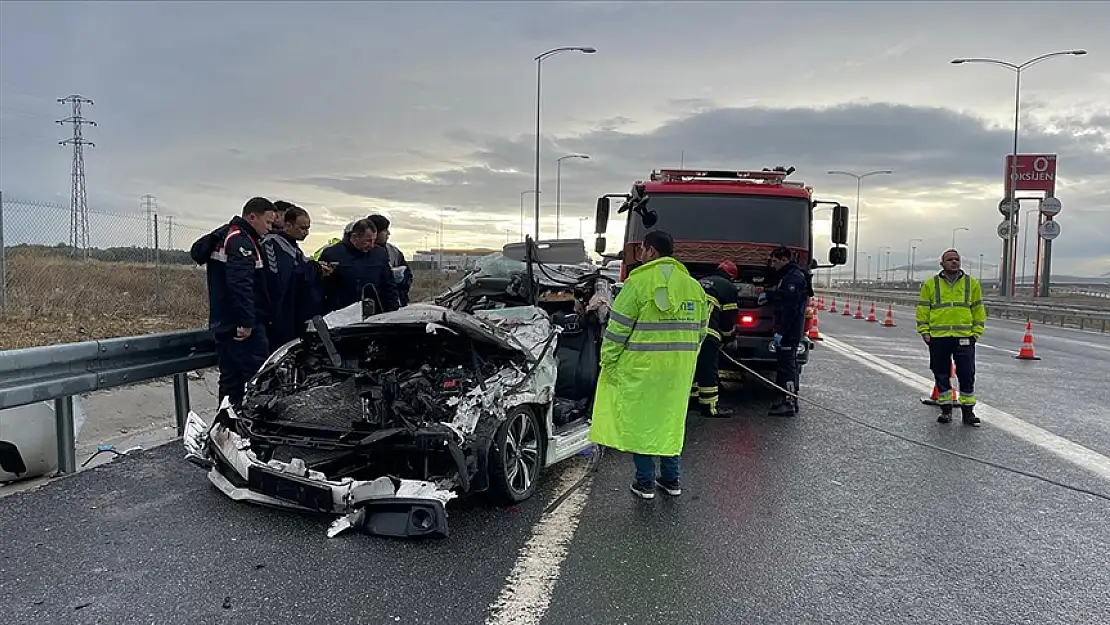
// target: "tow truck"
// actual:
[[717, 215]]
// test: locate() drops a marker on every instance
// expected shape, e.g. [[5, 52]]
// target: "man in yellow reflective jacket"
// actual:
[[950, 319], [648, 355]]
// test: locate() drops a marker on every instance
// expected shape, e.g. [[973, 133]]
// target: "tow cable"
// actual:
[[915, 441]]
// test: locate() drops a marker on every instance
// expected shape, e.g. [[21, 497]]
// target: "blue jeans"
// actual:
[[670, 468]]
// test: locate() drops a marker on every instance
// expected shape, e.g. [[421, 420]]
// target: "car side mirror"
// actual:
[[840, 225], [650, 218], [838, 255], [599, 245], [601, 218]]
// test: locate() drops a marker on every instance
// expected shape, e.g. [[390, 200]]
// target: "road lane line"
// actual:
[[528, 589], [1065, 449]]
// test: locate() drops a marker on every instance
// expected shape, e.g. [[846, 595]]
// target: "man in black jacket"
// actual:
[[789, 301], [402, 275], [360, 267], [237, 294]]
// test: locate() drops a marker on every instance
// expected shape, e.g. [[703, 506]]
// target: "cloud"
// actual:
[[349, 108], [947, 167]]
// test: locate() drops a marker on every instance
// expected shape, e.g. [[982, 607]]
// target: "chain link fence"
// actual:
[[135, 276]]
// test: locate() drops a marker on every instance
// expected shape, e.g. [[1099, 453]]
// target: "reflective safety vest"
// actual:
[[331, 242], [951, 308], [648, 355]]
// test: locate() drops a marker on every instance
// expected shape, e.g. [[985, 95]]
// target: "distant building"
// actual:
[[450, 259]]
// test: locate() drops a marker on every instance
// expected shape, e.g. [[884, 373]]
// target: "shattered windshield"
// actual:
[[729, 217]]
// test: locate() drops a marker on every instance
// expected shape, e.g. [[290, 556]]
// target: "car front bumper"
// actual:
[[383, 506]]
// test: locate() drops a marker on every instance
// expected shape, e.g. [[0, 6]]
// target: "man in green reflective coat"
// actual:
[[648, 355]]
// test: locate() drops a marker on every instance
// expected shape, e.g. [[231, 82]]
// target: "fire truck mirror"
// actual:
[[599, 245], [650, 218], [840, 225], [838, 255], [601, 220]]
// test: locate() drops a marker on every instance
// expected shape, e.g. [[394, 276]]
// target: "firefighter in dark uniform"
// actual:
[[237, 294], [722, 298], [789, 301]]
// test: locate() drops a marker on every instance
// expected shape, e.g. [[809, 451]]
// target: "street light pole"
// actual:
[[954, 231], [1008, 264], [910, 249], [880, 273], [559, 188], [539, 70], [855, 239]]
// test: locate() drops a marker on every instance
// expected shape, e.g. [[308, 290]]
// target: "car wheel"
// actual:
[[516, 456]]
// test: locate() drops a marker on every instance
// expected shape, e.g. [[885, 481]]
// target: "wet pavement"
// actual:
[[813, 519]]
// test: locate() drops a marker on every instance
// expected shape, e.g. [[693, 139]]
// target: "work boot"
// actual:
[[713, 412], [643, 491], [969, 416], [945, 414], [786, 408]]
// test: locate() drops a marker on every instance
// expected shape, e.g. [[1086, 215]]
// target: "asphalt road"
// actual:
[[815, 519]]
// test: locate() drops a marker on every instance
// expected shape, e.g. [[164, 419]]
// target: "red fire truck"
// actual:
[[729, 215]]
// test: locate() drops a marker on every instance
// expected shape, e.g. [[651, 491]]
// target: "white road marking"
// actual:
[[1065, 449], [528, 589]]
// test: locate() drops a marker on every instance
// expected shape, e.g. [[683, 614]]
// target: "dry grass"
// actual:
[[59, 300]]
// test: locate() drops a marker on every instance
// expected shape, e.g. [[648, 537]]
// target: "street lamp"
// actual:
[[522, 194], [539, 71], [855, 239], [880, 271], [911, 251], [441, 212], [581, 220], [980, 266], [559, 188], [954, 231], [1009, 244]]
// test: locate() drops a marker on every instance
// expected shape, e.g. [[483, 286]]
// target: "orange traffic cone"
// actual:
[[820, 303], [859, 310], [832, 308], [871, 315], [814, 333], [1027, 352], [932, 400], [848, 307], [889, 321]]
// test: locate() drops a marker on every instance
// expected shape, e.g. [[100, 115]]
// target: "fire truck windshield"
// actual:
[[728, 217]]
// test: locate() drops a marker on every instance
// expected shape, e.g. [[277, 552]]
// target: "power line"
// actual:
[[79, 210]]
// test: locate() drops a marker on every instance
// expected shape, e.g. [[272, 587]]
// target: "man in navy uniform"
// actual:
[[237, 294], [789, 301], [293, 281], [361, 268]]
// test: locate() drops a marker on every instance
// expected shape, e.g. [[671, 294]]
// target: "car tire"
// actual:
[[516, 456]]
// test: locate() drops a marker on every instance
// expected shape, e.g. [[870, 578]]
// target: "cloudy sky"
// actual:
[[405, 108]]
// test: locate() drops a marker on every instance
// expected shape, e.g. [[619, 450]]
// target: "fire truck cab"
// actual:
[[728, 215]]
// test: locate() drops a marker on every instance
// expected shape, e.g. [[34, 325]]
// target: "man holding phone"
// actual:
[[950, 319]]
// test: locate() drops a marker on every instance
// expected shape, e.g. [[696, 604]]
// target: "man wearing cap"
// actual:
[[722, 297], [950, 319]]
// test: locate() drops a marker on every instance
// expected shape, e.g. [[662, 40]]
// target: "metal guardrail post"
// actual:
[[181, 400], [3, 262], [63, 424]]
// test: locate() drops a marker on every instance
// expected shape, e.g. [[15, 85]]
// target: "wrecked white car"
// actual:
[[384, 419]]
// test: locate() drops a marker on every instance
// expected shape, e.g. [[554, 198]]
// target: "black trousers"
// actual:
[[705, 373], [942, 352], [786, 368], [239, 361]]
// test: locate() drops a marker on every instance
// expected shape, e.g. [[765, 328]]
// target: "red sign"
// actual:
[[1035, 172]]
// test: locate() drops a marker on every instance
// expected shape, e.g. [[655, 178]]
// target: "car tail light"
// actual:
[[747, 320]]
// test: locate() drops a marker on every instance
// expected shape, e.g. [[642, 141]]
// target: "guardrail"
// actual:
[[1083, 318], [58, 372]]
